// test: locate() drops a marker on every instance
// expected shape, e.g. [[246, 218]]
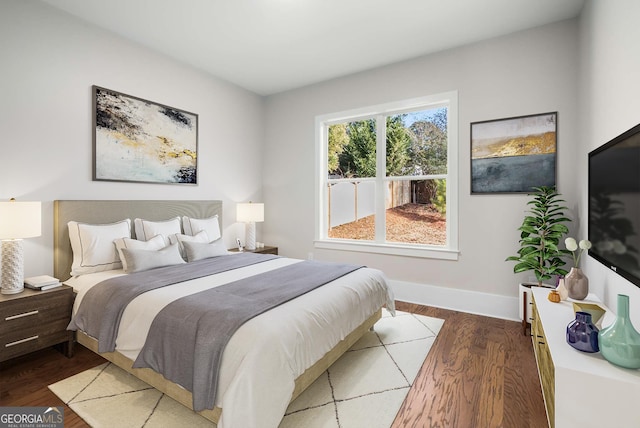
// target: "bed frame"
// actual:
[[104, 211], [99, 212]]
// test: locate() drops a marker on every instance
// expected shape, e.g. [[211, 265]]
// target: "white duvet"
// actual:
[[266, 355]]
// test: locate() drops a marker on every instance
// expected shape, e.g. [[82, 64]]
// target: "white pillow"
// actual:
[[210, 225], [140, 260], [198, 251], [146, 229], [92, 246], [180, 239], [153, 244]]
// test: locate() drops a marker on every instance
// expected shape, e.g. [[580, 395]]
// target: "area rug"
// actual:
[[364, 388]]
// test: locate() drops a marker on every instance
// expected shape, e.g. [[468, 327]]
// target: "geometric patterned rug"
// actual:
[[364, 388]]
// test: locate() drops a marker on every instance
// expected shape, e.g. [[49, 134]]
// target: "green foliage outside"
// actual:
[[358, 157], [429, 148], [399, 160], [338, 138], [440, 200], [417, 149]]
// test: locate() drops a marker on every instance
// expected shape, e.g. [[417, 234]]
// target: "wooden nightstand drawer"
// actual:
[[33, 320], [32, 339], [267, 250], [35, 310], [263, 250]]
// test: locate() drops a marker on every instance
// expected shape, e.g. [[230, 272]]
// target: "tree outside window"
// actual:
[[412, 176]]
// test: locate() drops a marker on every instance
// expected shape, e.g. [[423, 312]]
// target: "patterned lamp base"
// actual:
[[12, 267], [250, 235]]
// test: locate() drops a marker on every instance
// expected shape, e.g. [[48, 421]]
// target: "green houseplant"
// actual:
[[541, 232]]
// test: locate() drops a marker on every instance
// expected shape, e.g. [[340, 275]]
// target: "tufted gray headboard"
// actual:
[[98, 212]]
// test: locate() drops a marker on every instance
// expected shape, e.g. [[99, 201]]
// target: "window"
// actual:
[[387, 178]]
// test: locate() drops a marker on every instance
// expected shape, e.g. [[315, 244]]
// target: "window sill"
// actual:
[[389, 249]]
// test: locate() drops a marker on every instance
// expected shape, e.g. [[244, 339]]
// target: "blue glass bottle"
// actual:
[[582, 334], [620, 342]]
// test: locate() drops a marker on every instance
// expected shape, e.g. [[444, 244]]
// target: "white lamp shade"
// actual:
[[20, 219], [250, 212]]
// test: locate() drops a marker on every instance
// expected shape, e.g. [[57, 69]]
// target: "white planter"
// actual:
[[525, 290], [524, 294]]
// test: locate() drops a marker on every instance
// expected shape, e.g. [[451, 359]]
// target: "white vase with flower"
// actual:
[[576, 282]]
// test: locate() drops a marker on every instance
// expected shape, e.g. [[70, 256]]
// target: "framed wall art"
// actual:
[[514, 154], [142, 141]]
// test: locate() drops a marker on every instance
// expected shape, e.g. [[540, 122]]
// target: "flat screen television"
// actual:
[[614, 204]]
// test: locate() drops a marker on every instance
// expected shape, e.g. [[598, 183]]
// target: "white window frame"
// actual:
[[446, 252]]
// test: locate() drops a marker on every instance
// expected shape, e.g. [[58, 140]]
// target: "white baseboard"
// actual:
[[491, 305]]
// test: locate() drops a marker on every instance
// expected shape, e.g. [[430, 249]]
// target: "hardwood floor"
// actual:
[[24, 380], [480, 373]]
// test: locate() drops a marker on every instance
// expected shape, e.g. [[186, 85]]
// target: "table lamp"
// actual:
[[17, 220], [250, 213]]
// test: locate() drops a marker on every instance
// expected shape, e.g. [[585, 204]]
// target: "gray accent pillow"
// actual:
[[179, 238], [154, 244], [139, 260], [198, 250]]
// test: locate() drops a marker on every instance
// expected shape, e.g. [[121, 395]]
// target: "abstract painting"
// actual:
[[515, 154], [142, 141]]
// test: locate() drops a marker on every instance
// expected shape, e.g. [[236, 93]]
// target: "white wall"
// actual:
[[49, 62], [588, 73], [529, 72], [610, 104]]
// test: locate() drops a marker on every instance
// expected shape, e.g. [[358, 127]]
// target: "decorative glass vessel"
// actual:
[[620, 342], [562, 289], [582, 334], [554, 296], [577, 284], [596, 311]]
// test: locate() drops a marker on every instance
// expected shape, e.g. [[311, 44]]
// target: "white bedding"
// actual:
[[266, 355]]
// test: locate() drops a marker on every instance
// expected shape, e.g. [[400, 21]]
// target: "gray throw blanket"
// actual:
[[187, 338], [101, 308]]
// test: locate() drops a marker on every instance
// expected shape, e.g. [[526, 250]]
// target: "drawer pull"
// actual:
[[17, 342], [26, 314]]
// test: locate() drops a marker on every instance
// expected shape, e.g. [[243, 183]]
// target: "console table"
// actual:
[[580, 389]]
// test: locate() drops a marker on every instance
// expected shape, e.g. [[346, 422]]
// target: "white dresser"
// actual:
[[581, 389]]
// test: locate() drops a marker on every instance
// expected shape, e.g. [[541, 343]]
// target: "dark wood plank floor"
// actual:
[[480, 373], [24, 380]]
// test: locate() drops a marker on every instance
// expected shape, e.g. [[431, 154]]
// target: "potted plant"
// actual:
[[540, 234]]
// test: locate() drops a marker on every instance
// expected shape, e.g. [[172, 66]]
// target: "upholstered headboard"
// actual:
[[99, 212]]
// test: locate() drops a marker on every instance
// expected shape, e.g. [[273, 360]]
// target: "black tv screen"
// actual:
[[614, 204]]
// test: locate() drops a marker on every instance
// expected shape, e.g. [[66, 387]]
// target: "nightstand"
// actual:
[[34, 320], [263, 250]]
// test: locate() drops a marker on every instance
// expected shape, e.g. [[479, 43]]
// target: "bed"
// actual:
[[271, 359]]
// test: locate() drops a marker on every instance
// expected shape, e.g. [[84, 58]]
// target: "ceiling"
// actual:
[[270, 46]]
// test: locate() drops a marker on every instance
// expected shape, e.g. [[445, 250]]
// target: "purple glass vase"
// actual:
[[582, 334]]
